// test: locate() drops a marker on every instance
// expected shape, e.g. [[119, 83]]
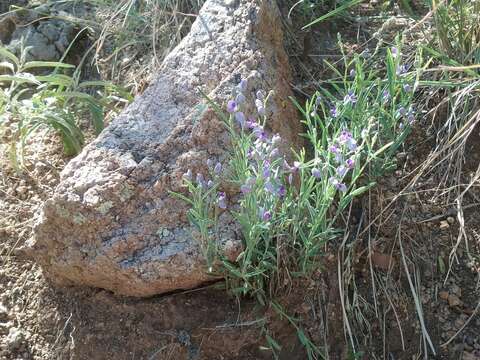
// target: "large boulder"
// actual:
[[113, 222]]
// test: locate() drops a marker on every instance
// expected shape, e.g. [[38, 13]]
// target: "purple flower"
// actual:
[[347, 139], [188, 175], [260, 95], [222, 200], [407, 87], [316, 173], [242, 85], [341, 171], [385, 96], [296, 166], [290, 178], [352, 144], [251, 123], [259, 147], [411, 115], [344, 137], [245, 188], [218, 168], [334, 149], [402, 69], [282, 191], [341, 187], [266, 170], [209, 163], [291, 169], [260, 107], [402, 111], [337, 184], [209, 183], [334, 112], [394, 51], [350, 163], [353, 73], [265, 214], [240, 99], [231, 106], [240, 118], [260, 133], [269, 187], [350, 98], [200, 179]]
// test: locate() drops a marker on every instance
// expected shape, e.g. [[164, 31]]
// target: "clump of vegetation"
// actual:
[[288, 211], [33, 98], [458, 29], [455, 51]]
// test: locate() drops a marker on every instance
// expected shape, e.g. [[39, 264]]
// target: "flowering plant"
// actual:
[[287, 211]]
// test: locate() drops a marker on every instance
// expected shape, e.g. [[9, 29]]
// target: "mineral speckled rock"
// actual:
[[112, 222]]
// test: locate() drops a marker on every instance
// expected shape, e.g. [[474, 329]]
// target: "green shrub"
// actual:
[[53, 100], [457, 25]]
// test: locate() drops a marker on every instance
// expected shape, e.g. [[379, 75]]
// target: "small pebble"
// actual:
[[453, 300], [455, 289], [14, 338], [444, 224], [443, 295]]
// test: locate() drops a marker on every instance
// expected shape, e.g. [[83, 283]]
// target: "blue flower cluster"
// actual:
[[344, 149], [215, 170], [267, 166]]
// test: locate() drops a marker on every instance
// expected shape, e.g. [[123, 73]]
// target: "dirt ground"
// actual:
[[411, 242]]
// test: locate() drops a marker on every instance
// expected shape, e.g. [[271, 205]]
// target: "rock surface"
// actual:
[[41, 32], [6, 4], [112, 222]]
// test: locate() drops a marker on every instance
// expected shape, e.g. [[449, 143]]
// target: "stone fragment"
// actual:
[[3, 313], [15, 338], [453, 300], [443, 295]]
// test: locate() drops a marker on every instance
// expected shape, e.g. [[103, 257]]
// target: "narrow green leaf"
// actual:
[[9, 55], [333, 12], [43, 64]]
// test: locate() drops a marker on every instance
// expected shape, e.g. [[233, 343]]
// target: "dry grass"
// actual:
[[136, 36]]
